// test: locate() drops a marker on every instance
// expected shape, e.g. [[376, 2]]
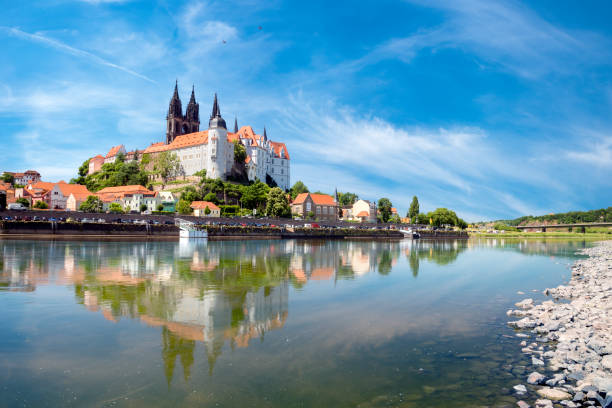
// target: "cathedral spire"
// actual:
[[215, 117], [175, 108], [265, 135], [235, 124], [192, 115]]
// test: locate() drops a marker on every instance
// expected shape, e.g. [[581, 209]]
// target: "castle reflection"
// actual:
[[214, 293]]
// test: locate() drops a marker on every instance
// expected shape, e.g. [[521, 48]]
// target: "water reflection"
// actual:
[[219, 293]]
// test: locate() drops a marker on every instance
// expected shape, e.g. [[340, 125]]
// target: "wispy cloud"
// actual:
[[71, 50], [502, 33]]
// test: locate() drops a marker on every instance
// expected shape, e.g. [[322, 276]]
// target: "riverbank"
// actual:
[[46, 228], [561, 235], [569, 338]]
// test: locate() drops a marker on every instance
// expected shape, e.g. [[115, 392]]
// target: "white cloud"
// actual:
[[71, 50]]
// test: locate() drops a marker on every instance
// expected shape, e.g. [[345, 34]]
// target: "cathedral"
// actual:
[[213, 149]]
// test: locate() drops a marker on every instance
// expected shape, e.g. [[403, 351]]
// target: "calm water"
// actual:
[[267, 323]]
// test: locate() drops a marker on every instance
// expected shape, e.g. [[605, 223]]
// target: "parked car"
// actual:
[[16, 207]]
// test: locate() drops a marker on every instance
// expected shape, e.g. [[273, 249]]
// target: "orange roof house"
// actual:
[[199, 209], [114, 151], [323, 206]]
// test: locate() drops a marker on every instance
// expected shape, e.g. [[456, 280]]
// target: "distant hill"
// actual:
[[602, 215]]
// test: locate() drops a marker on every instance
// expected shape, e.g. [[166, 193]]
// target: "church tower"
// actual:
[[192, 116], [174, 120], [217, 148]]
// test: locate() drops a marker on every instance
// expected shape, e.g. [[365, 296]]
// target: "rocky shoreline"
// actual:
[[569, 338]]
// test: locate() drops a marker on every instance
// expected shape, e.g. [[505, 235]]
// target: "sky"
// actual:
[[495, 109]]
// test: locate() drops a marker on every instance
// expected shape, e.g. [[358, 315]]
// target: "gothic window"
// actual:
[[308, 206]]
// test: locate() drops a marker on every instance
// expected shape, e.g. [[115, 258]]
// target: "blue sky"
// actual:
[[494, 109]]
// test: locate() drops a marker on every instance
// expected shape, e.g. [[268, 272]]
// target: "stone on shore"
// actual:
[[535, 378], [554, 394]]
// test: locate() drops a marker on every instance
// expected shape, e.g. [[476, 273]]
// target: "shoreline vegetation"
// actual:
[[569, 338], [563, 235]]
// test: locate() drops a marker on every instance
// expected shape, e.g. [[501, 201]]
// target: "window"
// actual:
[[308, 206], [324, 210], [318, 209]]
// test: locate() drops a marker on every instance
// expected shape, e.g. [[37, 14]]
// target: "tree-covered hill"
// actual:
[[601, 215]]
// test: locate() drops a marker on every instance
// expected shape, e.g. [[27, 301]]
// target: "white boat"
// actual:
[[189, 230]]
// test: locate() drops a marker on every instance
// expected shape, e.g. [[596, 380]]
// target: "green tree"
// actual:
[[207, 211], [41, 205], [421, 219], [93, 204], [190, 195], [414, 208], [115, 208], [160, 207], [143, 207], [183, 207], [298, 188], [395, 219], [277, 205], [8, 178], [239, 152], [114, 174], [255, 195], [82, 173], [23, 201], [462, 224], [384, 209], [443, 216], [347, 198], [166, 166], [212, 197]]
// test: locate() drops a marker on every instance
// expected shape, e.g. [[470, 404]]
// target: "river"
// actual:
[[268, 323]]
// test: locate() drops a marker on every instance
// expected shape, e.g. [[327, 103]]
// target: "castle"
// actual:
[[212, 149]]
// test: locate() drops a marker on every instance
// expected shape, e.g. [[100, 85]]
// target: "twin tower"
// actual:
[[177, 124]]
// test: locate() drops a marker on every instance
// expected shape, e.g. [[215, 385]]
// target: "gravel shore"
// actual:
[[570, 337]]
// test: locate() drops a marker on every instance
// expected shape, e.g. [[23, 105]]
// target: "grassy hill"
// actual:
[[601, 215]]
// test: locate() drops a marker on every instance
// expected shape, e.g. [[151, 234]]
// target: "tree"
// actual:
[[347, 198], [143, 207], [166, 165], [23, 201], [421, 219], [92, 204], [239, 152], [41, 205], [183, 207], [414, 208], [212, 197], [207, 211], [190, 194], [115, 208], [395, 219], [255, 195], [384, 209], [114, 174], [298, 188], [443, 216], [160, 207], [8, 178], [277, 205], [201, 174], [82, 173], [462, 224]]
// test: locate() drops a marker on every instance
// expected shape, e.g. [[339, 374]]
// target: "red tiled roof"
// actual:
[[280, 150], [132, 189], [190, 139], [113, 151], [203, 204], [98, 157], [68, 189], [300, 198], [363, 214], [42, 185], [322, 199], [319, 199]]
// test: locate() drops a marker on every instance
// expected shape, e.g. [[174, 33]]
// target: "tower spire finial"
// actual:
[[265, 135], [235, 124]]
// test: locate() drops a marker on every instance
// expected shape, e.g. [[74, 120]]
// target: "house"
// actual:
[[111, 156], [9, 191], [61, 191], [75, 199], [40, 191], [129, 197], [168, 200], [199, 209], [364, 211], [321, 207], [95, 164], [29, 176]]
